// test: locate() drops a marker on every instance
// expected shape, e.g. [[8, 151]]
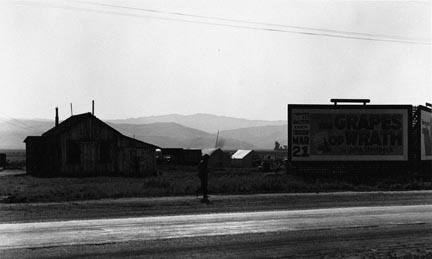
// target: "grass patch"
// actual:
[[184, 181]]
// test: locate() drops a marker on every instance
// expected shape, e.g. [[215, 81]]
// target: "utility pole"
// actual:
[[56, 117], [217, 139]]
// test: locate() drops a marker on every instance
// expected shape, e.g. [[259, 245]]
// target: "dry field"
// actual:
[[15, 158], [184, 181]]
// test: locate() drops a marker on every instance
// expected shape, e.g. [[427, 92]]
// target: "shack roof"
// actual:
[[240, 154], [32, 138], [75, 119], [68, 123], [209, 151]]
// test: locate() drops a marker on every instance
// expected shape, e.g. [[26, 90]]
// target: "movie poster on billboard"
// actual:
[[426, 135], [349, 134]]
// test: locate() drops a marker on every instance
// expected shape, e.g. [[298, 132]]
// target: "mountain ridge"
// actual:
[[202, 121], [164, 134]]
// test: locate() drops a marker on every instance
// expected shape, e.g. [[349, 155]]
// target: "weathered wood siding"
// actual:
[[88, 135], [219, 159], [89, 148], [245, 162]]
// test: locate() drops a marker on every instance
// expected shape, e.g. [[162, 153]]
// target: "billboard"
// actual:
[[341, 133], [426, 134]]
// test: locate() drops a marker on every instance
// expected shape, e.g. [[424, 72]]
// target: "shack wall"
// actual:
[[245, 162], [88, 147], [219, 159], [89, 136]]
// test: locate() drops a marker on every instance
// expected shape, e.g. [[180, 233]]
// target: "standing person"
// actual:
[[203, 175]]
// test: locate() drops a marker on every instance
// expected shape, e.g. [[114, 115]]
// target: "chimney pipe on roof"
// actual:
[[56, 117], [92, 107]]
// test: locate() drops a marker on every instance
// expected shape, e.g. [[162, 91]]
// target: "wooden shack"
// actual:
[[172, 156], [191, 156], [242, 158], [180, 156], [217, 158], [83, 145]]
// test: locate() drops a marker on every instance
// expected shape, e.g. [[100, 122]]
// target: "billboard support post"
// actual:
[[364, 101]]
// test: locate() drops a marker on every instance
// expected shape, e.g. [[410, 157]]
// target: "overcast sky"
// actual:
[[138, 63]]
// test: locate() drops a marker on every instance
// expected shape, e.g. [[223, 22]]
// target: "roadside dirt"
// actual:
[[135, 207]]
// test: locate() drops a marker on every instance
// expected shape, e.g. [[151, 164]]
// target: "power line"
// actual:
[[251, 22], [14, 132], [17, 123], [407, 41]]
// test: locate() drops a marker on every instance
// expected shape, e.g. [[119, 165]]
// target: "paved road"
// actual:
[[259, 226]]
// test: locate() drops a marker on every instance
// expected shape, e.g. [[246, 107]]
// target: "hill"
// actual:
[[174, 132], [201, 121], [13, 132], [263, 137], [173, 135]]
